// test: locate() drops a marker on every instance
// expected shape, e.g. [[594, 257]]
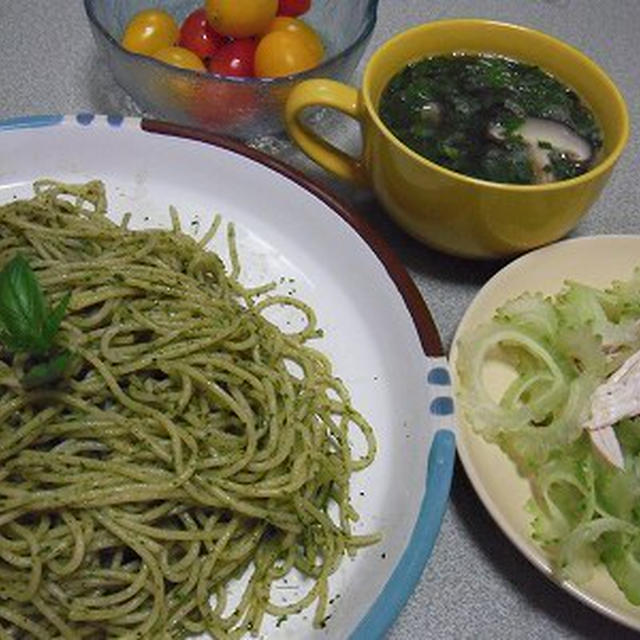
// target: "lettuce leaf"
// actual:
[[584, 512]]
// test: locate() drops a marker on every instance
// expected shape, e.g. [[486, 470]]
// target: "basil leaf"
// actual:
[[47, 372], [24, 286], [22, 306], [17, 333], [28, 325]]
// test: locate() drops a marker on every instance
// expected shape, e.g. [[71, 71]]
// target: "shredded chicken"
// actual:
[[616, 398]]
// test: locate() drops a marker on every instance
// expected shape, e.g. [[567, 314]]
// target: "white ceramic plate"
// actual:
[[594, 260], [378, 331]]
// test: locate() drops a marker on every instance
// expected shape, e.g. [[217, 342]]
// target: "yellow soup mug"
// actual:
[[449, 211]]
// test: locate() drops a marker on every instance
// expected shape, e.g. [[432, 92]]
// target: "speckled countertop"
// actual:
[[476, 585]]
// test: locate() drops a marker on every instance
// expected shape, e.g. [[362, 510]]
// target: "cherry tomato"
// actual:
[[282, 53], [293, 8], [197, 35], [240, 18], [150, 30], [236, 58], [179, 57], [224, 107], [285, 23]]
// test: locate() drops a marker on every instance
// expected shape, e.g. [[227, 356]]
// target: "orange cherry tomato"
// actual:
[[282, 53], [179, 57], [150, 30], [294, 25], [240, 18]]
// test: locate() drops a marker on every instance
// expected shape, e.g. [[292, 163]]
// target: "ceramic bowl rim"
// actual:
[[600, 169]]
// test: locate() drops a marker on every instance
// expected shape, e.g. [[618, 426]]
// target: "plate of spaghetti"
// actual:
[[224, 407]]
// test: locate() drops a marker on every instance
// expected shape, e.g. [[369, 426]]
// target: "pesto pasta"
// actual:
[[191, 443]]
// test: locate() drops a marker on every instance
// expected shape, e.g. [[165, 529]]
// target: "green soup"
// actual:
[[491, 118]]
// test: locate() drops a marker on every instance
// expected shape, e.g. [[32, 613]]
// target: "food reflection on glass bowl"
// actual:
[[241, 107]]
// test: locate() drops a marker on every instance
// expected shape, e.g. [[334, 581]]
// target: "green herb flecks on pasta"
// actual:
[[189, 443]]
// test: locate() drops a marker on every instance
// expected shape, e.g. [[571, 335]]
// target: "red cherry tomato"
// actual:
[[293, 8], [224, 107], [234, 58], [197, 35]]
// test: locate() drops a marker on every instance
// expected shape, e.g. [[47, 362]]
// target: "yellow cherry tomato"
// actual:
[[282, 53], [150, 30], [179, 57], [240, 18], [295, 25]]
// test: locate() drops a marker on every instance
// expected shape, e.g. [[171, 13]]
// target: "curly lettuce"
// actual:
[[584, 511]]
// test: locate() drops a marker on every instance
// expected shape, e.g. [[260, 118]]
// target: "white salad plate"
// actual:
[[597, 261], [378, 331]]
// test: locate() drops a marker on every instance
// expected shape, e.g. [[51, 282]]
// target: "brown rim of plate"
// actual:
[[422, 319]]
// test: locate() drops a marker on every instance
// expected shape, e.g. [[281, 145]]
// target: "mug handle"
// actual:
[[335, 95]]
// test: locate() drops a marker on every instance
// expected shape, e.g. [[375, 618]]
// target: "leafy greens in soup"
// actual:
[[491, 118]]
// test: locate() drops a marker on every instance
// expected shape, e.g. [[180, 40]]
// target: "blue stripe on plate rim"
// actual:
[[408, 571], [48, 120], [29, 122]]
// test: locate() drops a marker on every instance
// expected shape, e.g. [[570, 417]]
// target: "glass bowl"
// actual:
[[243, 108]]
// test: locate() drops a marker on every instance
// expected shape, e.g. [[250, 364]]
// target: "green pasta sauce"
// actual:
[[178, 453]]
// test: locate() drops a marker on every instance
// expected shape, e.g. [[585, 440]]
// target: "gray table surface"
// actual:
[[476, 585]]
